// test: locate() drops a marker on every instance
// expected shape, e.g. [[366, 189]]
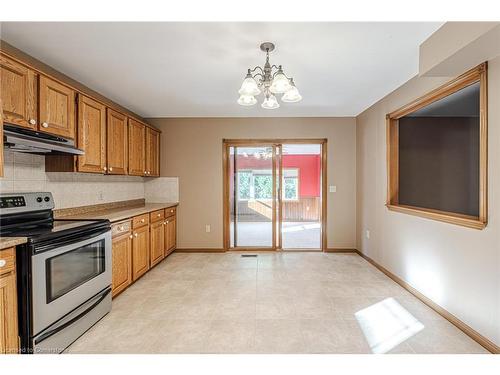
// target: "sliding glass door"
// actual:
[[253, 196], [274, 195]]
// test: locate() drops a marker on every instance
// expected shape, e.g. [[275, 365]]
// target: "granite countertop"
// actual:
[[121, 213], [6, 242]]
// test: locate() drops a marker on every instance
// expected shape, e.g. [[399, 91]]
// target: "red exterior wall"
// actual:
[[309, 170]]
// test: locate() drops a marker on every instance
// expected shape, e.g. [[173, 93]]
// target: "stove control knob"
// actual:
[[39, 199], [46, 199]]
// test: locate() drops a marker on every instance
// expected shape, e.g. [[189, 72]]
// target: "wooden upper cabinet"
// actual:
[[18, 93], [91, 135], [1, 138], [117, 143], [56, 108], [136, 148], [152, 153]]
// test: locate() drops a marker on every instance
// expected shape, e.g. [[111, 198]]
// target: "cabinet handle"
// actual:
[[45, 125], [130, 236], [164, 222], [142, 220], [32, 121], [171, 211], [104, 168], [120, 228], [167, 221], [110, 169], [3, 262], [159, 215], [135, 234]]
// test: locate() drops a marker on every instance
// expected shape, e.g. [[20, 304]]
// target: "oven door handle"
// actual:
[[73, 320]]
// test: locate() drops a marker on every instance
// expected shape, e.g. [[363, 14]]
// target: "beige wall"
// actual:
[[456, 267], [192, 151]]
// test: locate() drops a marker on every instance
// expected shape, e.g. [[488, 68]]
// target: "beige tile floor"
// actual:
[[275, 303]]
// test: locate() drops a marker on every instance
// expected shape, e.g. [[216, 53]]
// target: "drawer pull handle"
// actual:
[[142, 220], [45, 125], [32, 121], [171, 210], [159, 215], [3, 262], [121, 228]]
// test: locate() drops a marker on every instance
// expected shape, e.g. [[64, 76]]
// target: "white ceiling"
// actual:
[[196, 69]]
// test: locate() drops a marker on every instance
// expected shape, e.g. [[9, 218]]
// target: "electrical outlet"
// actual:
[[367, 234], [207, 228], [333, 189]]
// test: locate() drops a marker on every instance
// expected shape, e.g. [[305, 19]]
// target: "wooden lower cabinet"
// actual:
[[170, 234], [140, 243], [157, 243], [140, 252], [122, 262], [9, 338]]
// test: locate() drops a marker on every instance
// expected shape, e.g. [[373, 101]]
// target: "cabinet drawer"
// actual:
[[121, 228], [157, 216], [140, 221], [7, 260], [170, 211]]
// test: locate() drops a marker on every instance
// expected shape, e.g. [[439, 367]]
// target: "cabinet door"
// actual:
[[1, 137], [117, 142], [140, 252], [122, 263], [91, 135], [136, 148], [171, 235], [157, 244], [8, 314], [153, 153], [57, 108], [18, 93]]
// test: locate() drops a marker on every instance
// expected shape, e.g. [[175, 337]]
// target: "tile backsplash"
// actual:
[[26, 172], [162, 189]]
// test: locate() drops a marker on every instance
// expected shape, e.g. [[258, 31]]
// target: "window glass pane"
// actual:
[[69, 270], [291, 187], [244, 180], [263, 186]]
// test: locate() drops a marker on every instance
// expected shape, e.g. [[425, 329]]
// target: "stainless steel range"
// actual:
[[64, 271]]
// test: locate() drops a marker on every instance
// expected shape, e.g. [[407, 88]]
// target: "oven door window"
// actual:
[[69, 270]]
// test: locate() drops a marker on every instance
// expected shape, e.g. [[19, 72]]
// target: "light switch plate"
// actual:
[[207, 228], [367, 234], [333, 188]]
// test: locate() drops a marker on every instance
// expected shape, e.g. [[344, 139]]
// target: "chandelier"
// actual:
[[269, 80]]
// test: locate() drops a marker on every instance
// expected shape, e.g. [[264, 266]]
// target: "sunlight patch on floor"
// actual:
[[387, 324]]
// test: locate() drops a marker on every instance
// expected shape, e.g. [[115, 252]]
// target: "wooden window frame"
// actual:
[[477, 74]]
